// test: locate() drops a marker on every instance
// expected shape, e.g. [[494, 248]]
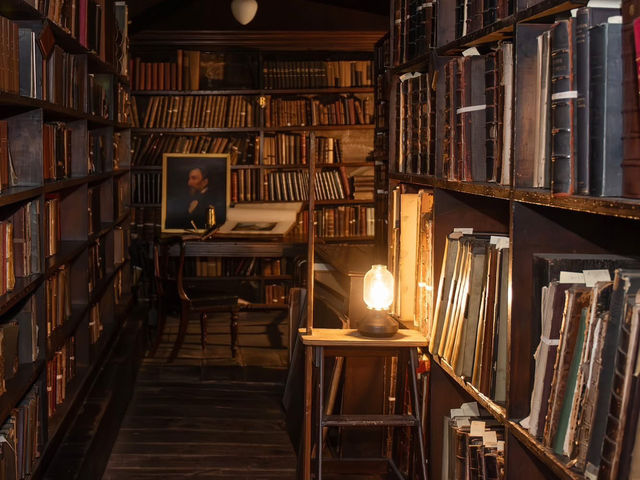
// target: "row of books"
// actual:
[[51, 226], [294, 149], [327, 110], [61, 370], [122, 196], [200, 111], [275, 294], [97, 264], [26, 239], [316, 74], [476, 144], [579, 103], [469, 330], [149, 149], [20, 438], [7, 174], [245, 185], [411, 257], [146, 187], [586, 389], [56, 153], [7, 257], [473, 445], [9, 351], [82, 19], [9, 57], [417, 125], [363, 184], [99, 142], [414, 28], [145, 222], [475, 15], [58, 298], [345, 221], [195, 70], [234, 267], [95, 324]]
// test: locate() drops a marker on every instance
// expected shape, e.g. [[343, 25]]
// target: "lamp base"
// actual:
[[378, 324]]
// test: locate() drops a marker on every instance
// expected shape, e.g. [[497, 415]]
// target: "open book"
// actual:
[[247, 219]]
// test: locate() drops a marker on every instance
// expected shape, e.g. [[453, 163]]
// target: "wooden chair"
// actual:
[[202, 301]]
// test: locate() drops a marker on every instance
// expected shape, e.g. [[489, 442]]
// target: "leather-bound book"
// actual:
[[492, 94], [621, 393], [563, 106], [460, 95], [626, 282], [605, 90], [586, 18]]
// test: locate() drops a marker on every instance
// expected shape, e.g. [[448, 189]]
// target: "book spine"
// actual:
[[606, 95], [563, 105], [630, 112]]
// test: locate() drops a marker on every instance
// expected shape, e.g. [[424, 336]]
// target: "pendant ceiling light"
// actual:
[[244, 10]]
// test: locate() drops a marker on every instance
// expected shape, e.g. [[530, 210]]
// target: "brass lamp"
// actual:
[[378, 295]]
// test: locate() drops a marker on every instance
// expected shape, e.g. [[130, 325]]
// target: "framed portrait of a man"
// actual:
[[191, 184]]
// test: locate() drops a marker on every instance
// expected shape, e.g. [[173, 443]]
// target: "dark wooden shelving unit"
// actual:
[[535, 220], [24, 287]]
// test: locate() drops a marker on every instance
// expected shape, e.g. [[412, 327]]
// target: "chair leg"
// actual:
[[182, 330], [234, 333], [203, 333]]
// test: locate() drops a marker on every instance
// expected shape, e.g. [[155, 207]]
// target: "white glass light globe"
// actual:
[[378, 288], [244, 10]]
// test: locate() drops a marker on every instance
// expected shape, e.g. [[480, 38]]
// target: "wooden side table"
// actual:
[[344, 343]]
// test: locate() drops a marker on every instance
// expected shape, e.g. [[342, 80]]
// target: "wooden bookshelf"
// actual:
[[533, 219], [89, 164]]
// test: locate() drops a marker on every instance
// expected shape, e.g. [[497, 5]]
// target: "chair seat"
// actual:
[[211, 300]]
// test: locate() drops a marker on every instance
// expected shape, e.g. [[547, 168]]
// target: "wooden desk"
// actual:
[[345, 343]]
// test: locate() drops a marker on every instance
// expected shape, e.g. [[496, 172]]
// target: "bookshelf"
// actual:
[[62, 144], [532, 219]]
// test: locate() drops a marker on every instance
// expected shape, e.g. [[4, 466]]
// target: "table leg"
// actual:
[[306, 451], [413, 359], [319, 409]]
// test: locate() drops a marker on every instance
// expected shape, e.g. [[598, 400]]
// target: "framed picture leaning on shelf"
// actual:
[[191, 183]]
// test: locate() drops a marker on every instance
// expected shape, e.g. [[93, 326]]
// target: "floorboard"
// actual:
[[209, 416]]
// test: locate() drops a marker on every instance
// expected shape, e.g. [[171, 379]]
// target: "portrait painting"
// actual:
[[191, 183]]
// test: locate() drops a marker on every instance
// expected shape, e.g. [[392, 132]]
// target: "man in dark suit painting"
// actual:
[[200, 198]]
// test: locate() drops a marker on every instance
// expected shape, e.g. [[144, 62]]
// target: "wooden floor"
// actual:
[[221, 421]]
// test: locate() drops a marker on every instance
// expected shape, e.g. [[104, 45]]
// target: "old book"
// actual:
[[563, 381], [563, 102], [630, 111], [626, 282], [552, 308], [605, 92], [586, 18], [621, 394], [409, 229], [542, 153]]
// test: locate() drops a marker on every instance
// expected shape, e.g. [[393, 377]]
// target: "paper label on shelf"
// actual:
[[462, 422], [490, 438], [472, 108], [564, 95], [456, 412], [524, 423], [470, 409], [466, 231], [499, 241], [469, 52], [409, 75], [552, 342], [571, 277], [477, 428], [593, 276]]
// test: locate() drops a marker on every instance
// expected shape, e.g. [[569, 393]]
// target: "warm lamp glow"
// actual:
[[244, 10], [378, 288]]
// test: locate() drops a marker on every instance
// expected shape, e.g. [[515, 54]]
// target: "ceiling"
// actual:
[[272, 15]]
